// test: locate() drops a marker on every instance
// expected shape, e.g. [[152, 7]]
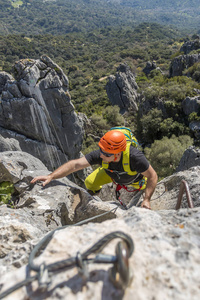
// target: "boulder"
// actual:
[[180, 63], [191, 104], [190, 158], [164, 264], [150, 66], [4, 78], [122, 89], [60, 203], [195, 128], [189, 46], [167, 191], [37, 210], [36, 111]]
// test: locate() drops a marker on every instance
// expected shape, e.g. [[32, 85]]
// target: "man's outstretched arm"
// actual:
[[152, 180], [64, 170]]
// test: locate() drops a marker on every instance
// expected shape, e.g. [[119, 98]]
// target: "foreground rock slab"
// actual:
[[165, 263]]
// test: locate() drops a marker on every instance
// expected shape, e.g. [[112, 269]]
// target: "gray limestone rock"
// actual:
[[180, 63], [122, 89], [4, 78], [191, 104], [165, 262], [36, 110], [189, 46], [195, 128], [190, 158], [167, 190], [150, 66]]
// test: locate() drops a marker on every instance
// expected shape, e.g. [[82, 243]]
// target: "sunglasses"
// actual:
[[106, 154]]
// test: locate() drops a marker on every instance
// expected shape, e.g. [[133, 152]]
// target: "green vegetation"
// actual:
[[165, 154], [89, 57], [16, 3], [194, 71], [168, 94], [64, 16], [100, 123], [6, 191]]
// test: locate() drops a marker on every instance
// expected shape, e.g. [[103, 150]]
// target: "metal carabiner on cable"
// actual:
[[120, 274]]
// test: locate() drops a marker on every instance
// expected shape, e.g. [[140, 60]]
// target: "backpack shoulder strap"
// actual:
[[126, 160]]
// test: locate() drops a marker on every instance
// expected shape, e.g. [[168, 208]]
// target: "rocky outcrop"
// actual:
[[167, 191], [150, 66], [122, 89], [190, 158], [180, 63], [164, 264], [36, 113], [190, 105], [41, 209], [195, 128], [166, 241], [189, 46]]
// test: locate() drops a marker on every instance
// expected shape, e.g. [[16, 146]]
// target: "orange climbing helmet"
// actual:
[[113, 141]]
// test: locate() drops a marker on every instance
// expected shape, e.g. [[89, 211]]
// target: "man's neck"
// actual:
[[117, 157]]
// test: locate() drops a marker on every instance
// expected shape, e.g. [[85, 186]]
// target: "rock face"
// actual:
[[190, 158], [150, 66], [164, 264], [167, 191], [165, 261], [191, 104], [122, 89], [189, 46], [36, 113], [195, 128], [37, 209], [180, 63]]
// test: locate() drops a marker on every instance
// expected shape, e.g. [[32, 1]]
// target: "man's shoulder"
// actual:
[[135, 151], [93, 157]]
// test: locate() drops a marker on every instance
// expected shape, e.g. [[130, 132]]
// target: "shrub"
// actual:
[[169, 127], [164, 155], [150, 125], [193, 117], [6, 191], [112, 116]]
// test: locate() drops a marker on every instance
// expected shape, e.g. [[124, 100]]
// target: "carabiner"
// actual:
[[120, 274]]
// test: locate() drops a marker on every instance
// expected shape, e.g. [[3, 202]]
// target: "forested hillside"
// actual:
[[88, 39], [64, 16], [88, 57]]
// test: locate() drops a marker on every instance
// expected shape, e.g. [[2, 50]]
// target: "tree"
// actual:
[[164, 155], [112, 116], [150, 126]]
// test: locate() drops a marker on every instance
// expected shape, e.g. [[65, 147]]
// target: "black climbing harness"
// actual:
[[120, 186]]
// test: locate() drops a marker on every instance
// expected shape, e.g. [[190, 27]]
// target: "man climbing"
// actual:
[[119, 162]]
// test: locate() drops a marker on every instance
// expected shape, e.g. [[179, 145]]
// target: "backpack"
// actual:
[[128, 134]]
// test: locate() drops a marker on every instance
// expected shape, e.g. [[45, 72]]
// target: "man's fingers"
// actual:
[[145, 206], [34, 180], [40, 178], [46, 182]]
